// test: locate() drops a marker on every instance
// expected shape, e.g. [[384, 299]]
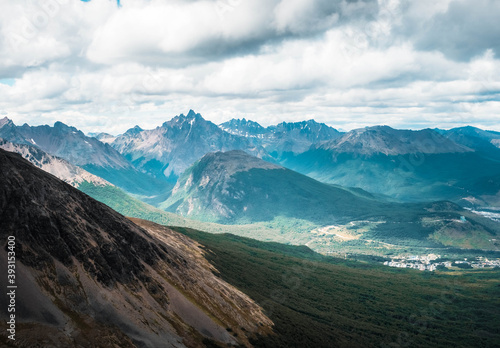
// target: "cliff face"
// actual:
[[88, 276]]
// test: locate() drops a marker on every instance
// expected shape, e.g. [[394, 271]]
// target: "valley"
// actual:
[[338, 260], [250, 174], [249, 193]]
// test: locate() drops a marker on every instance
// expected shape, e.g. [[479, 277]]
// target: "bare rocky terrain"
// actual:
[[87, 276]]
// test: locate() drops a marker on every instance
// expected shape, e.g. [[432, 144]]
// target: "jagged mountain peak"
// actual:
[[59, 124], [133, 131], [285, 137], [308, 132], [300, 125], [242, 127], [182, 119], [167, 151], [6, 121], [192, 114], [243, 122]]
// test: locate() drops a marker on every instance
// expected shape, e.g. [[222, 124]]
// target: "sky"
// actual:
[[104, 65]]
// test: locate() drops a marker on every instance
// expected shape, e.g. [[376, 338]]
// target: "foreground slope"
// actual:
[[87, 276]]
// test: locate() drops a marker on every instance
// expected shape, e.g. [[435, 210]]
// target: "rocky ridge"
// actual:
[[90, 277]]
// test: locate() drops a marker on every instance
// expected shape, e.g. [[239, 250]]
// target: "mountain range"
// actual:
[[406, 165], [166, 151], [88, 153], [284, 138], [460, 164], [292, 176], [88, 276]]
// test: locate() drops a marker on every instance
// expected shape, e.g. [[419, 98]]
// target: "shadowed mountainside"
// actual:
[[87, 276], [406, 165]]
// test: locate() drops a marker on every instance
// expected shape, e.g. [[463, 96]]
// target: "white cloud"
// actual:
[[350, 64]]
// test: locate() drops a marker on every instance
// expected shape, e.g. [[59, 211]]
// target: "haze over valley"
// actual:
[[399, 187]]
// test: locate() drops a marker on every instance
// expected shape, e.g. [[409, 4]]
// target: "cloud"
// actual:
[[461, 30], [348, 63], [180, 33], [306, 16]]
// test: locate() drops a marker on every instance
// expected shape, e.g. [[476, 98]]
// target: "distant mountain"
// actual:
[[492, 136], [485, 142], [56, 166], [104, 137], [86, 152], [66, 142], [388, 141], [168, 150], [244, 128], [285, 137], [236, 188], [9, 131], [87, 276], [406, 165], [296, 137]]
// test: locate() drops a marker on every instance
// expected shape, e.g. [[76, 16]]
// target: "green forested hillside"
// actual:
[[408, 229], [317, 301], [279, 229], [408, 177]]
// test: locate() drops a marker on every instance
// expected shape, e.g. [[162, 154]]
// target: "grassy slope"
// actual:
[[324, 302], [297, 231], [274, 230]]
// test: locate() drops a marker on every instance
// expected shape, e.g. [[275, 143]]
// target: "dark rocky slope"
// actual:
[[88, 276]]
